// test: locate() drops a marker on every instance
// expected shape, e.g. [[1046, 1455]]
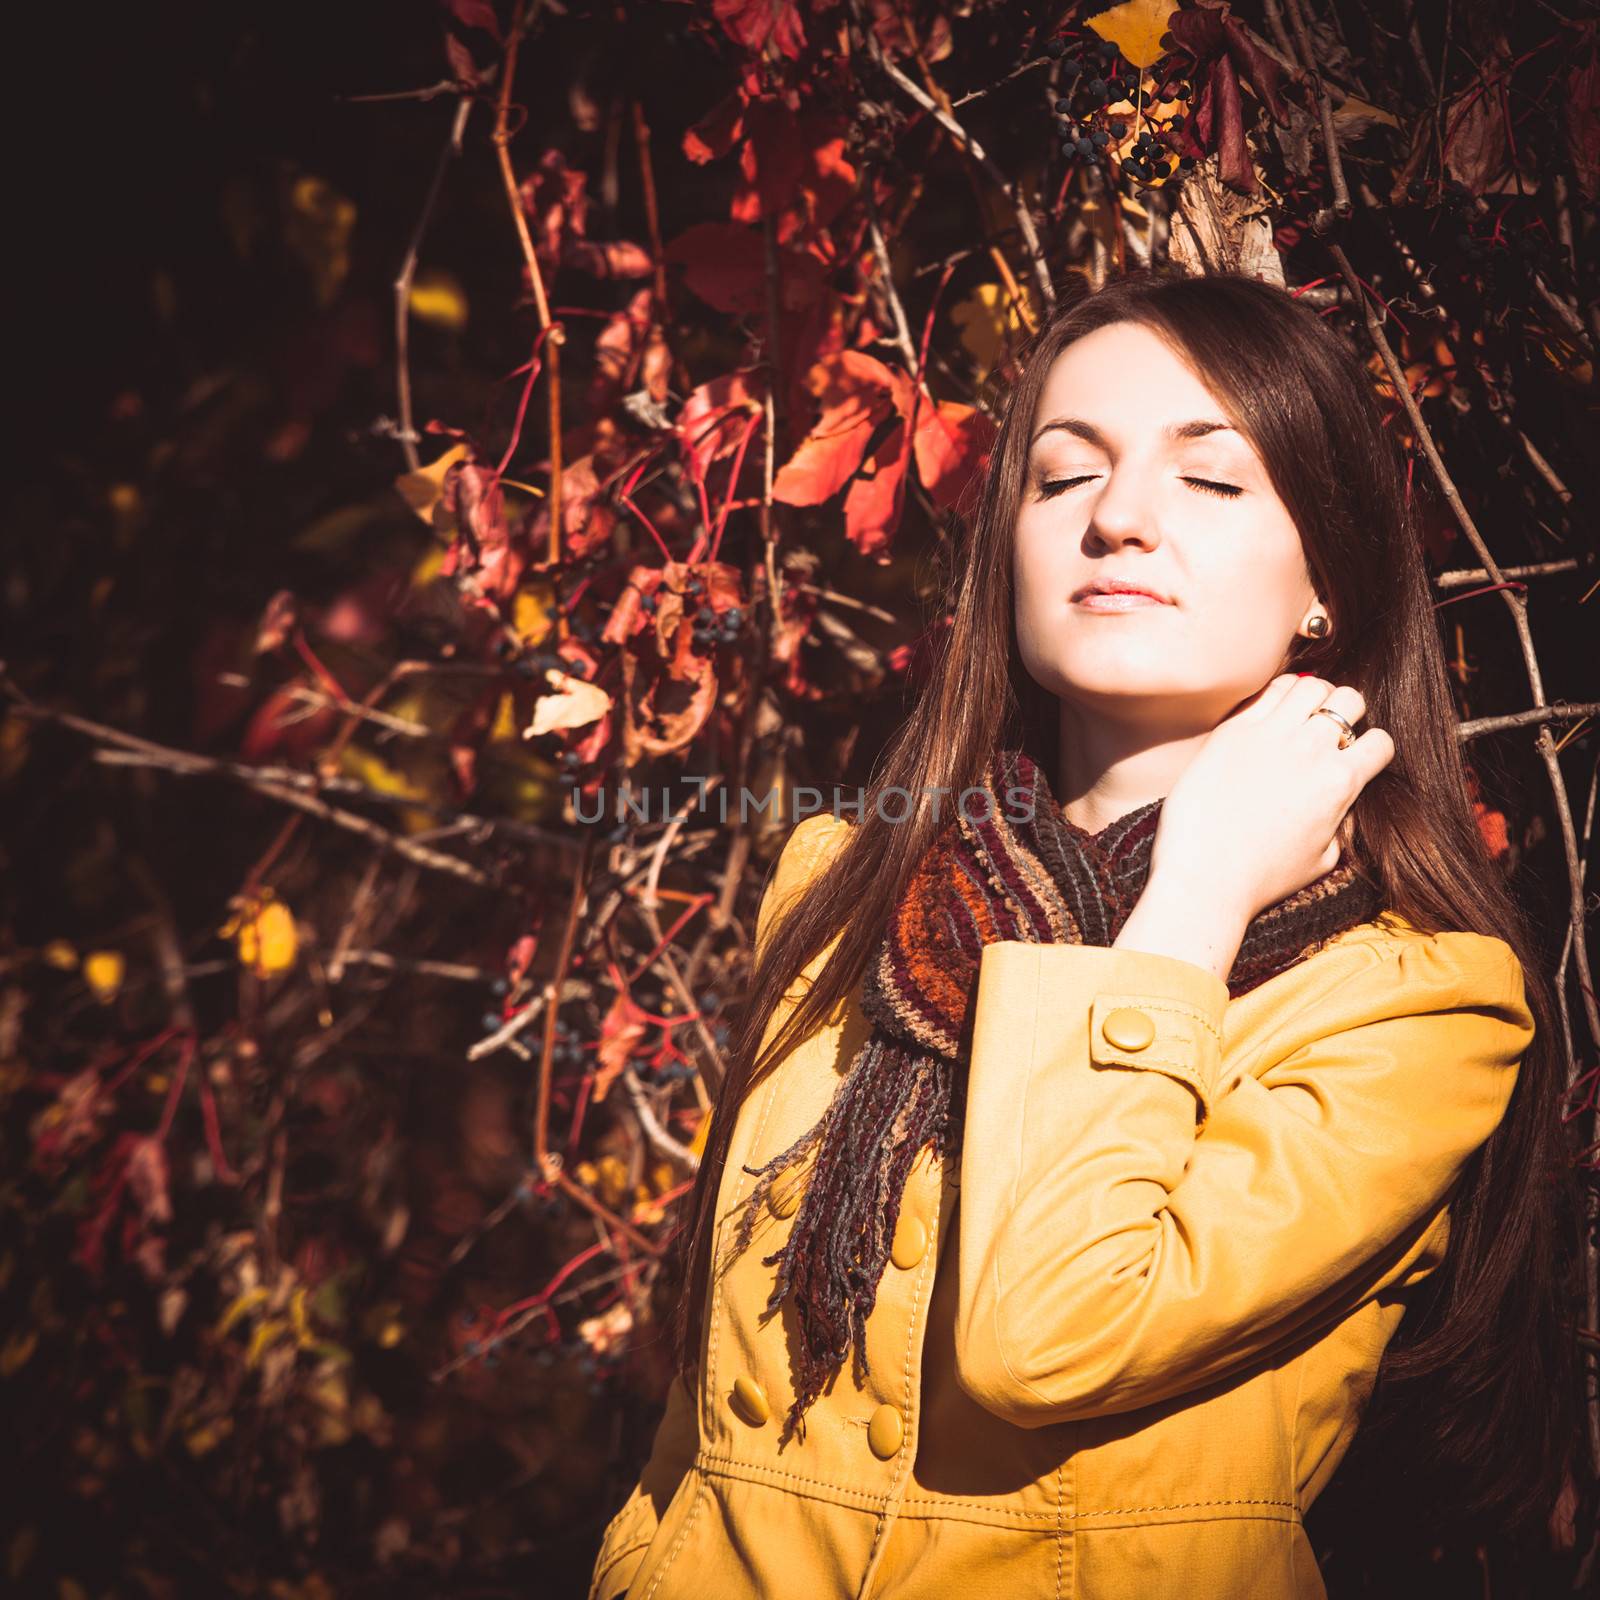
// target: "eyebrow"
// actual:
[[1198, 429]]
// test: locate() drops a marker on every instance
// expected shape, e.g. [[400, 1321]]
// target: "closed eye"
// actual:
[[1228, 491], [1049, 487]]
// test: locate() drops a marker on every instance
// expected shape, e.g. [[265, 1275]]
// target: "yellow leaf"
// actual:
[[376, 773], [60, 955], [575, 704], [318, 230], [272, 1329], [436, 297], [297, 1315], [427, 567], [421, 490], [1352, 106], [529, 612], [104, 970], [248, 1301], [986, 319], [267, 941], [1136, 28], [505, 719]]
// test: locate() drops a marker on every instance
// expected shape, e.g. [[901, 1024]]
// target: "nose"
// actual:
[[1123, 511]]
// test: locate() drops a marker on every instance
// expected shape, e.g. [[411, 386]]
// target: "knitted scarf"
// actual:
[[1043, 880]]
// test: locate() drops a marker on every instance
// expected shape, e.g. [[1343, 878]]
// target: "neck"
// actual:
[[1108, 768]]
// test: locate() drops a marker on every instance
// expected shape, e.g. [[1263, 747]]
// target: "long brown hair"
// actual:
[[1477, 1390]]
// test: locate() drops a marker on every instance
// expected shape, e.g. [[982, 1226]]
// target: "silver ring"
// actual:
[[1347, 736]]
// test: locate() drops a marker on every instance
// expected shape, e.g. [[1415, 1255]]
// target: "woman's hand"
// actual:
[[1258, 813]]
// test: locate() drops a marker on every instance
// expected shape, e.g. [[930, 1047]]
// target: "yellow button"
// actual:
[[885, 1432], [1127, 1028], [750, 1401], [784, 1195], [910, 1241]]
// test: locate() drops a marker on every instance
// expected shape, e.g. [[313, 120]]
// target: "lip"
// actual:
[[1113, 594]]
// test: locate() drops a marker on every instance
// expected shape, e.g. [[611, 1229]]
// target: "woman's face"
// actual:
[[1135, 474]]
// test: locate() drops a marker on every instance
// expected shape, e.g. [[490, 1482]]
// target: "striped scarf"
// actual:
[[1043, 880]]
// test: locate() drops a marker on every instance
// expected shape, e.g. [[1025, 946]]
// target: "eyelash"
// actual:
[[1048, 488]]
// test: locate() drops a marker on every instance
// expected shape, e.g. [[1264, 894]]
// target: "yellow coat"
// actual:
[[1122, 1347]]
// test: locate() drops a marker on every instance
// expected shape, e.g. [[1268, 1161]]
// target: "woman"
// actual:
[[1051, 1231]]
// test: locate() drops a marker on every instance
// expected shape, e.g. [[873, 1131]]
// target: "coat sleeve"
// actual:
[[1132, 1227], [628, 1535]]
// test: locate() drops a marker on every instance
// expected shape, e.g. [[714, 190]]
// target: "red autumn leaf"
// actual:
[[669, 685], [587, 517], [756, 23], [713, 418], [724, 264], [1208, 31], [1475, 147], [620, 1034], [877, 495], [1492, 825], [794, 169], [556, 201], [717, 131], [952, 447], [476, 14], [856, 392], [617, 352]]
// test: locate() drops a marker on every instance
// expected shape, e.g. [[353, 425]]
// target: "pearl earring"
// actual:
[[1318, 626]]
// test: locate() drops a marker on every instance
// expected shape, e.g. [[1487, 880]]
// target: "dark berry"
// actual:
[[1099, 138], [1117, 129], [1176, 122], [1096, 86], [1071, 70], [1055, 48], [1063, 108]]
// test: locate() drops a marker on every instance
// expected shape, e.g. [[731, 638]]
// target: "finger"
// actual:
[[1370, 754], [1348, 701], [1266, 698]]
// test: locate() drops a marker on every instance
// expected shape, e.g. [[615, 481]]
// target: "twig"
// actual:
[[1330, 140], [1561, 711], [1461, 577], [144, 752], [1518, 608], [981, 156], [408, 270], [654, 1133], [552, 335]]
